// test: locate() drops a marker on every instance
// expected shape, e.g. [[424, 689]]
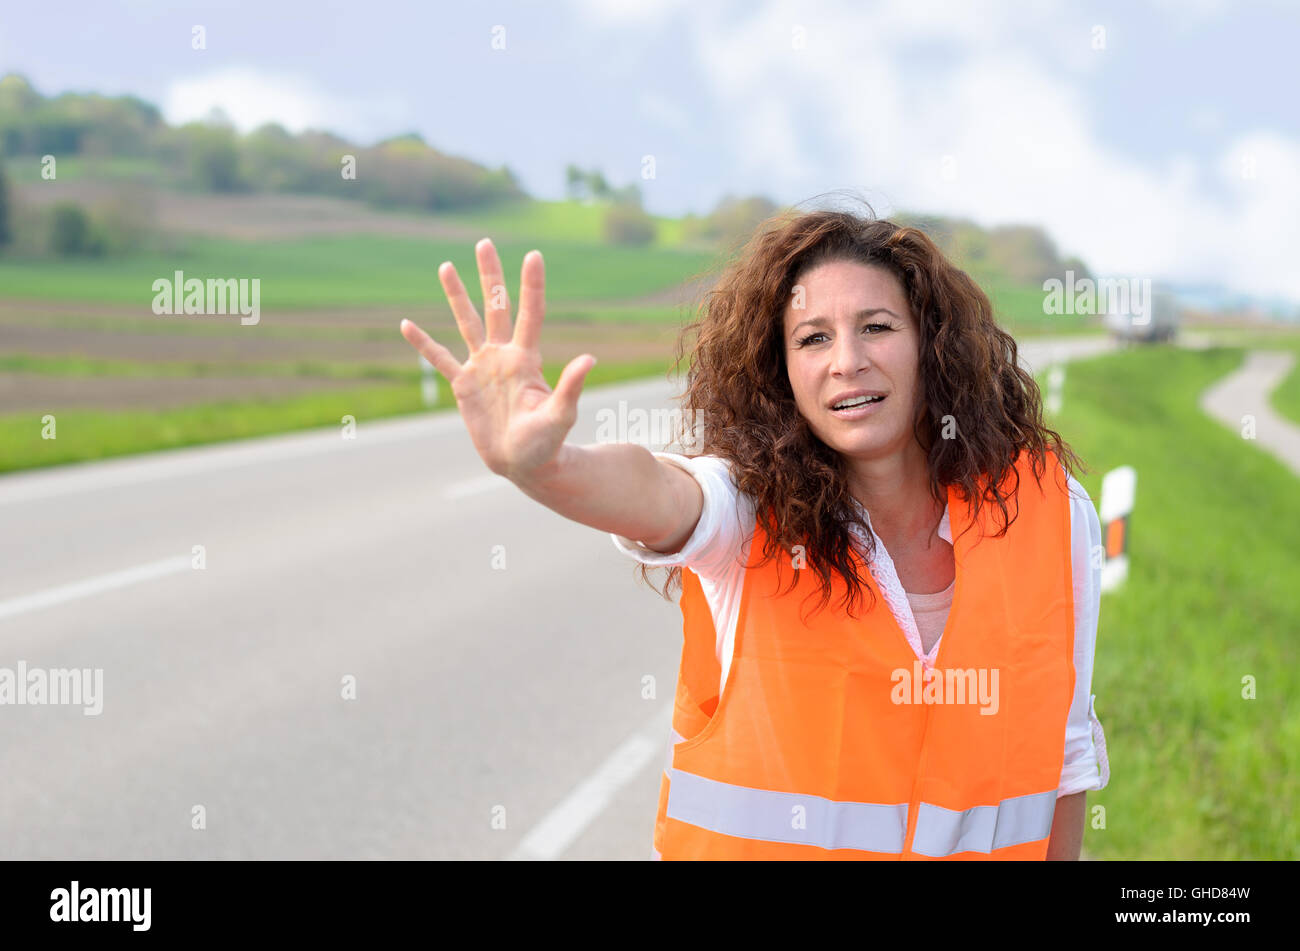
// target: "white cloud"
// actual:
[[252, 97], [629, 12], [1016, 125]]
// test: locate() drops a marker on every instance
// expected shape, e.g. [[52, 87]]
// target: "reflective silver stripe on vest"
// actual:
[[775, 817], [673, 739], [1013, 821]]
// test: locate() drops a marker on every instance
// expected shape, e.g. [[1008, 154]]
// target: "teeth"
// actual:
[[858, 401]]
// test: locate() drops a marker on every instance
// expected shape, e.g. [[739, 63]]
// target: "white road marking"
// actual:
[[83, 589], [563, 824]]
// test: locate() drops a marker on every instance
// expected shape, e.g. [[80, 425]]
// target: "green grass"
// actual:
[[200, 326], [1286, 398], [89, 367], [1019, 310], [1196, 771], [355, 270], [93, 434], [554, 221], [224, 326]]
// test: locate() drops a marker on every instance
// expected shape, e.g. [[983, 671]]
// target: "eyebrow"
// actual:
[[868, 312]]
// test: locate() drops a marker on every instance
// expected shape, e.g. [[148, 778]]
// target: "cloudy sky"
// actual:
[[1154, 138]]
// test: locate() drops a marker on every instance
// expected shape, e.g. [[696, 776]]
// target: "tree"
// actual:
[[597, 185], [1076, 264], [5, 234], [1024, 253], [629, 194], [71, 232], [214, 158], [628, 224], [734, 219], [574, 181]]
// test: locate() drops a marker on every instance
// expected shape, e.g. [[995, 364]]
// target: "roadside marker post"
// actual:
[[428, 382], [1118, 493]]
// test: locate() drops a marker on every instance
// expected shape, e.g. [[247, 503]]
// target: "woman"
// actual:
[[865, 425]]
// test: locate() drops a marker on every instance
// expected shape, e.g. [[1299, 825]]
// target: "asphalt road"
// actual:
[[499, 653]]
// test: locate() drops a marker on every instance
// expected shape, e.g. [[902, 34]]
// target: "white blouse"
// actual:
[[718, 550]]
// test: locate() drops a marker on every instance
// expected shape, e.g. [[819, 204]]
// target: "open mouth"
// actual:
[[856, 407]]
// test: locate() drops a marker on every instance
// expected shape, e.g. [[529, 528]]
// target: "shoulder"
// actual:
[[1083, 513], [713, 469]]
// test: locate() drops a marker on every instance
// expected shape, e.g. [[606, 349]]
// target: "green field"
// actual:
[[355, 270], [583, 280], [554, 220], [1197, 772]]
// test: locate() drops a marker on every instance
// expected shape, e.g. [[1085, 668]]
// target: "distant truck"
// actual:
[[1159, 326]]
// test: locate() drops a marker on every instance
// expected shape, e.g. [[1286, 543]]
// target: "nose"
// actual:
[[849, 355]]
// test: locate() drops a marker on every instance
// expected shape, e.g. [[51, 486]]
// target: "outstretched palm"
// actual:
[[516, 422]]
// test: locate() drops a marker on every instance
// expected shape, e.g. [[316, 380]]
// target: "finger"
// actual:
[[564, 399], [532, 301], [496, 302], [431, 350], [462, 308]]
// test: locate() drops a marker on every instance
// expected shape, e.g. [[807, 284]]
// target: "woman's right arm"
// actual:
[[518, 424], [620, 488]]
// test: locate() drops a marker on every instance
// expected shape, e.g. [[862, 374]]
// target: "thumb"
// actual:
[[567, 388]]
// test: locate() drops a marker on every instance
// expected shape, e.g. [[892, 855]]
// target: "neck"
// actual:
[[896, 494]]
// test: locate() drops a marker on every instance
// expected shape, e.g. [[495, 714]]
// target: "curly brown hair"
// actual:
[[740, 405]]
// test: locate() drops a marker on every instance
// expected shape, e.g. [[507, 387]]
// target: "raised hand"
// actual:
[[516, 422]]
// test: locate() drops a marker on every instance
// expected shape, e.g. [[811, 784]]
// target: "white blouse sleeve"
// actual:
[[1086, 766]]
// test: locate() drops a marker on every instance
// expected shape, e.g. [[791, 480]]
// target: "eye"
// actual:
[[873, 327]]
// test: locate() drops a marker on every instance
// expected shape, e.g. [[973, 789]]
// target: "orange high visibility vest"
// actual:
[[825, 746]]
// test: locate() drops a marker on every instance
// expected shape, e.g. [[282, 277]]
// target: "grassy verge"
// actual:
[[1196, 770], [91, 434], [1286, 398]]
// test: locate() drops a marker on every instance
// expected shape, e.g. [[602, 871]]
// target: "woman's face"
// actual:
[[854, 331]]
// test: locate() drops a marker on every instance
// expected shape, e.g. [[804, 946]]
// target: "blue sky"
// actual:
[[1154, 138]]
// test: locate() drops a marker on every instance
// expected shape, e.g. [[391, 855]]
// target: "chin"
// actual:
[[858, 444]]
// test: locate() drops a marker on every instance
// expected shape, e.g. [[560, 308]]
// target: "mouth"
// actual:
[[857, 407]]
